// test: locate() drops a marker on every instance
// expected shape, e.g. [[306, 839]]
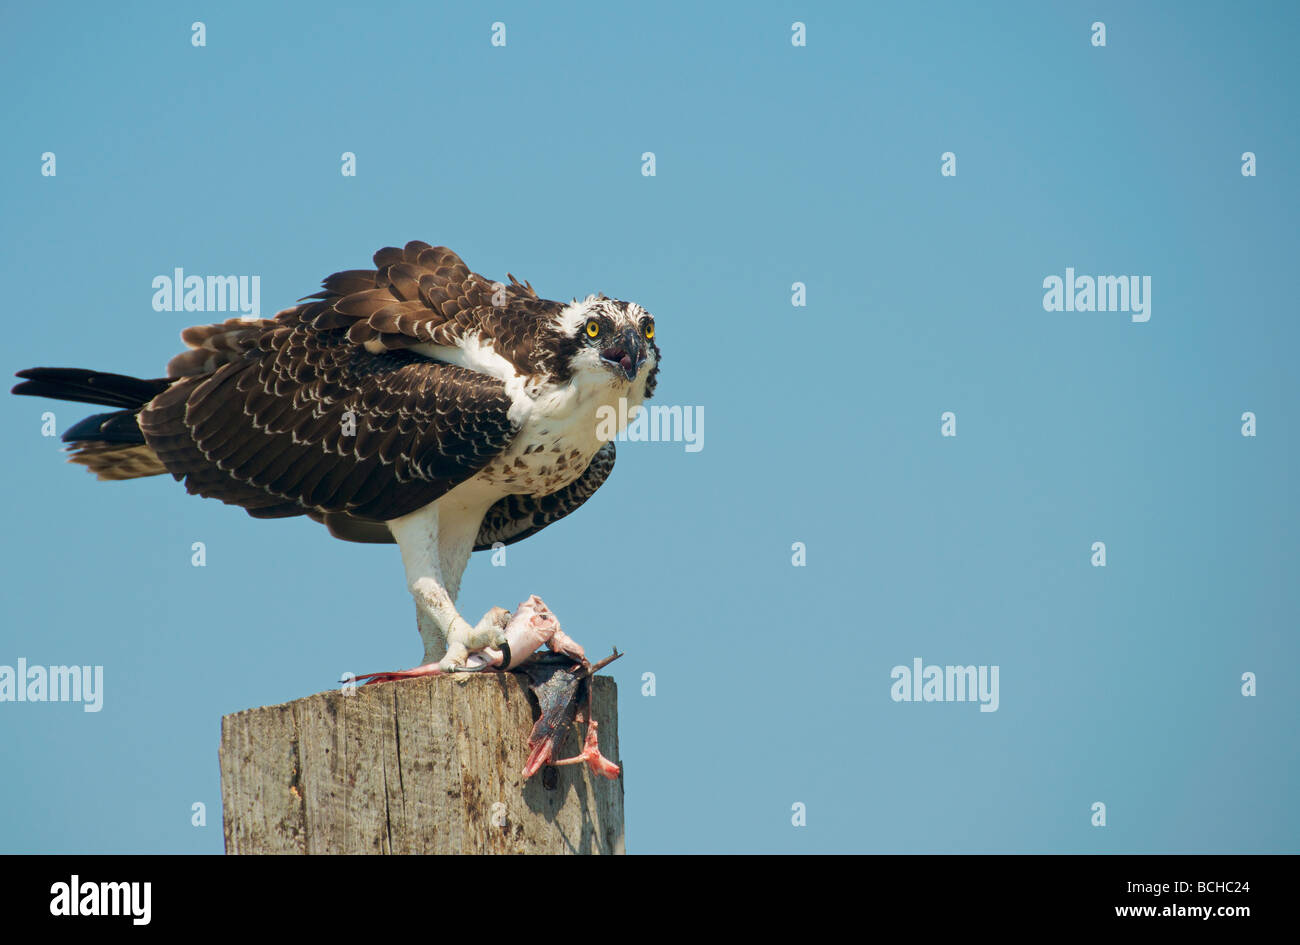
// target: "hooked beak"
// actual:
[[626, 354]]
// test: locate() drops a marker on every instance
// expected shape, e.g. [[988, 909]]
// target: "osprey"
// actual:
[[416, 403]]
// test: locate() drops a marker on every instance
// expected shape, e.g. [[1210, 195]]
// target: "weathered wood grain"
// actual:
[[417, 766]]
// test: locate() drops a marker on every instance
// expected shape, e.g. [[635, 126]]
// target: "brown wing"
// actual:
[[423, 294], [323, 409], [332, 430], [418, 294], [515, 517]]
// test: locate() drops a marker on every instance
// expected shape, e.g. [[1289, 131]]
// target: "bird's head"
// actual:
[[613, 339]]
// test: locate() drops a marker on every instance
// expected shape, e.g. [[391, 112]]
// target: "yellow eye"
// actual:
[[649, 330], [593, 328]]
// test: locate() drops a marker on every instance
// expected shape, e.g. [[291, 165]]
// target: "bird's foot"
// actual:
[[458, 658], [465, 642], [501, 640]]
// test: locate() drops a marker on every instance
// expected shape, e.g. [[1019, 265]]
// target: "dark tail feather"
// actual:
[[108, 444], [90, 387], [120, 426]]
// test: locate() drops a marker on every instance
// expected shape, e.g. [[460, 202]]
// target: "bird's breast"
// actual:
[[557, 439]]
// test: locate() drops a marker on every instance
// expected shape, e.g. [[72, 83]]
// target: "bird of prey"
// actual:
[[417, 402]]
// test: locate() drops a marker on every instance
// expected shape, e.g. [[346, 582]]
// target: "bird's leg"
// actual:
[[431, 633], [435, 542], [445, 633]]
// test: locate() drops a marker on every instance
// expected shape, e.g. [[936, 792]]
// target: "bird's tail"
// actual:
[[108, 444]]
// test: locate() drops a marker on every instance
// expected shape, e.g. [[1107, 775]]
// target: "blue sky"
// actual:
[[774, 164]]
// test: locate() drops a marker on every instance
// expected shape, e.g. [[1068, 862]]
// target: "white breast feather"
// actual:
[[557, 423]]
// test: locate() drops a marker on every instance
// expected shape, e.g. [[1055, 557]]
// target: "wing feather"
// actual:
[[258, 414], [267, 431]]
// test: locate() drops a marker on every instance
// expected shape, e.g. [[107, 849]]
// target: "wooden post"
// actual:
[[430, 765]]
